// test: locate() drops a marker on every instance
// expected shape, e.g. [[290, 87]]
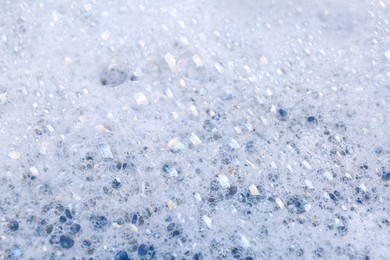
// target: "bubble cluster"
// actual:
[[198, 130]]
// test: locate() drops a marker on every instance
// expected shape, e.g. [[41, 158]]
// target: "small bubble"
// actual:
[[312, 120], [282, 114], [113, 76], [13, 225], [122, 255], [386, 176], [75, 228], [66, 241], [116, 184]]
